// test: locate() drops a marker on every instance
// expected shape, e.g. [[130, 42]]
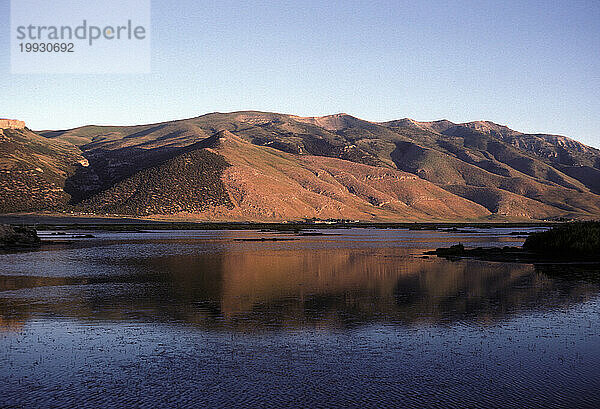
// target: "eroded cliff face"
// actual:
[[11, 124]]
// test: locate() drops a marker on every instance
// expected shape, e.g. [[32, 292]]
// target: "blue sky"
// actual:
[[534, 66]]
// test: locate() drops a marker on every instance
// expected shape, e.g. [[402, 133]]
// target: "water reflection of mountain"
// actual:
[[283, 288]]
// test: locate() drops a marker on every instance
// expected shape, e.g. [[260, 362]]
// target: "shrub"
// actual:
[[578, 239]]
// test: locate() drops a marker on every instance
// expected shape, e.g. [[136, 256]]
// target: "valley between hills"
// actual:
[[269, 167]]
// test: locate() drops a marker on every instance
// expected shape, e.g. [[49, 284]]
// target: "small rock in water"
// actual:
[[18, 237]]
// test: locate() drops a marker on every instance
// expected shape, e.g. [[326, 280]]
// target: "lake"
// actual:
[[346, 318]]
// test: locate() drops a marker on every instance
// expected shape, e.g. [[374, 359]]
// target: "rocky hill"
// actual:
[[266, 166]]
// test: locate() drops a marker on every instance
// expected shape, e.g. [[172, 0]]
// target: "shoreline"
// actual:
[[66, 222]]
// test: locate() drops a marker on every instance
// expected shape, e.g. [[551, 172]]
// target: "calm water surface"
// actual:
[[351, 318]]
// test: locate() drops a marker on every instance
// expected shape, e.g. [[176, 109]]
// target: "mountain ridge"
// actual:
[[361, 169]]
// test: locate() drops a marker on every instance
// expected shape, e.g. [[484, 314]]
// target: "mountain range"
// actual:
[[260, 166]]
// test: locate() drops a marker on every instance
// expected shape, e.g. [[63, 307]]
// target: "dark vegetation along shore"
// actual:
[[572, 242]]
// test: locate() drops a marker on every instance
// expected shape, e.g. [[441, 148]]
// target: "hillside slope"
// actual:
[[228, 178], [34, 170]]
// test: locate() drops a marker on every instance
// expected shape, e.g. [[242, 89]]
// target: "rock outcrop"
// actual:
[[18, 237], [11, 124]]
